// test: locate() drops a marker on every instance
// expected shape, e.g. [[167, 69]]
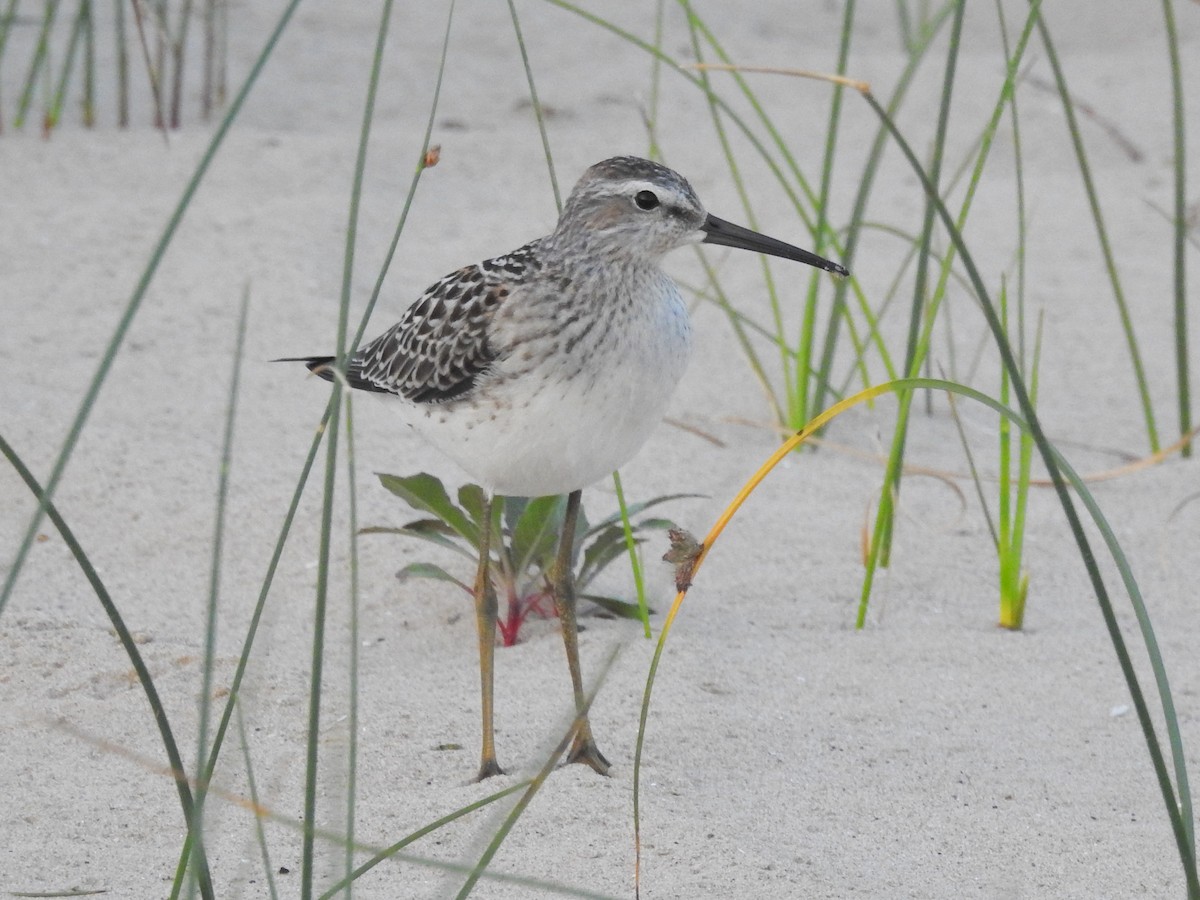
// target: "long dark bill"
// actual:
[[726, 234]]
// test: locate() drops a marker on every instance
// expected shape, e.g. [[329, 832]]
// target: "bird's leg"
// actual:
[[485, 621], [583, 748]]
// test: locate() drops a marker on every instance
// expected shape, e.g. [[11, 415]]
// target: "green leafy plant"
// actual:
[[525, 537]]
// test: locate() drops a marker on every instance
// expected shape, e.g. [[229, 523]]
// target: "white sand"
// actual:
[[931, 755]]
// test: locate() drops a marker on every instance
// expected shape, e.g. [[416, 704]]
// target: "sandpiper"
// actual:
[[541, 371]]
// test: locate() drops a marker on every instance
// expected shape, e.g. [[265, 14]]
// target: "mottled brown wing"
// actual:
[[440, 348]]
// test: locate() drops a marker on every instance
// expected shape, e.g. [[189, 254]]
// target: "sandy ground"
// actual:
[[931, 755]]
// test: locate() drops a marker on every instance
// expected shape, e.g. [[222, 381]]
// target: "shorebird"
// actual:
[[544, 370]]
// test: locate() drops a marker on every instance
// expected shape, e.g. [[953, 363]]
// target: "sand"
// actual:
[[929, 755]]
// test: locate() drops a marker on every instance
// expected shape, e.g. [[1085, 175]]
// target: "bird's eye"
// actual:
[[645, 200]]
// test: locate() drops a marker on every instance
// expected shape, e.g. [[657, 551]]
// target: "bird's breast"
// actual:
[[577, 387]]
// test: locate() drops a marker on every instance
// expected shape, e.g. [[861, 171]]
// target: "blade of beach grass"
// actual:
[[785, 362], [1110, 262], [394, 850], [920, 338], [208, 58], [288, 821], [153, 71], [808, 330], [819, 224], [89, 65], [1177, 796], [54, 109], [1180, 224], [686, 571], [145, 680], [178, 44], [820, 379], [311, 768], [654, 151], [7, 17], [36, 65], [134, 305], [823, 380], [122, 58], [536, 104], [196, 831], [1019, 178], [260, 835], [321, 430], [353, 639], [635, 560], [318, 437], [881, 540], [797, 374], [1177, 809]]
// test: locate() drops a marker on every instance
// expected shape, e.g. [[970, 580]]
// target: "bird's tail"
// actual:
[[323, 366], [318, 365]]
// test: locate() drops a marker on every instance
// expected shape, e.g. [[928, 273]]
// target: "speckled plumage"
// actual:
[[543, 370]]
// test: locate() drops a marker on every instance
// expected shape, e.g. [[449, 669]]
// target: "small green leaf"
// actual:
[[607, 546], [433, 530], [513, 507], [653, 525], [437, 532], [620, 608], [533, 536], [429, 570], [471, 497], [424, 492]]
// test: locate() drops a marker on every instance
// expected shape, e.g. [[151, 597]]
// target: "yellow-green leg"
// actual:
[[485, 621], [583, 748]]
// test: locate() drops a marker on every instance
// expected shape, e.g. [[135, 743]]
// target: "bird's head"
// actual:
[[628, 207]]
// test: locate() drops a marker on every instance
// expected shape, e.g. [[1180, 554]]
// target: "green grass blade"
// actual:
[[881, 539], [354, 642], [311, 770], [135, 301], [174, 759], [89, 64], [260, 835], [214, 587], [1110, 262], [316, 666], [433, 826], [1181, 831], [412, 188], [256, 617], [179, 58], [635, 560], [1179, 231], [425, 492], [40, 53], [790, 377], [919, 351], [838, 311], [318, 437], [537, 106], [54, 110], [808, 330]]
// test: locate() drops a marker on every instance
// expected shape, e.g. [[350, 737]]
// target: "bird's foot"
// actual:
[[488, 768], [584, 750]]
